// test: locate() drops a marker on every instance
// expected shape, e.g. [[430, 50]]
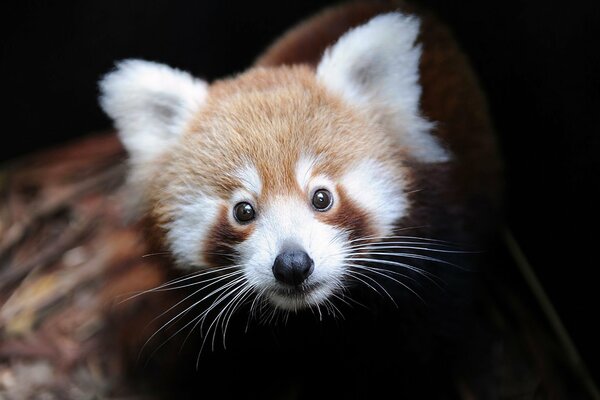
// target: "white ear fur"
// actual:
[[150, 104], [376, 67]]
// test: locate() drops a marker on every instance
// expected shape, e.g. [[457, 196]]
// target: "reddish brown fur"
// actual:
[[305, 43], [223, 236], [266, 117], [261, 113], [348, 216], [450, 89], [451, 97]]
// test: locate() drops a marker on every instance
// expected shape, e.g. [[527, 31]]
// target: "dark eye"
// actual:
[[243, 212], [322, 200]]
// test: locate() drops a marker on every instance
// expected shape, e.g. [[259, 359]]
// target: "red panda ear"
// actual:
[[375, 67], [150, 104]]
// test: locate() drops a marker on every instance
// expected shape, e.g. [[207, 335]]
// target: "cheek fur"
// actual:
[[219, 245], [349, 216]]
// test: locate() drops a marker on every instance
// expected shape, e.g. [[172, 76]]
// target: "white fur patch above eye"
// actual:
[[376, 68], [250, 179], [378, 191], [304, 169], [150, 104]]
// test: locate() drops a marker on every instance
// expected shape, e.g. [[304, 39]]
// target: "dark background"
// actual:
[[537, 61]]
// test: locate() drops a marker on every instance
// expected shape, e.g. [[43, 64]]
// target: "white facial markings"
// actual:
[[288, 219], [304, 169], [308, 181], [378, 191], [250, 179], [193, 217], [374, 187]]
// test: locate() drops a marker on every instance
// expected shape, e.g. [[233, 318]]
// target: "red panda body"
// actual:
[[337, 176]]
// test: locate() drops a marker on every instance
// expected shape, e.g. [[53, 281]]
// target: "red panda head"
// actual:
[[279, 173]]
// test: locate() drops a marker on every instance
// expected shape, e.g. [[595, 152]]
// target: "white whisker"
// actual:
[[244, 294], [407, 245], [221, 278], [178, 280], [378, 272], [257, 299], [220, 298], [420, 271], [236, 288], [416, 256], [402, 237], [162, 253], [354, 275], [164, 326]]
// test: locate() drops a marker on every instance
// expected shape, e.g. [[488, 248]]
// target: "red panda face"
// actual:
[[280, 179], [281, 174]]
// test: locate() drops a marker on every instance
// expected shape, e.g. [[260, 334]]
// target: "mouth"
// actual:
[[298, 297], [301, 290]]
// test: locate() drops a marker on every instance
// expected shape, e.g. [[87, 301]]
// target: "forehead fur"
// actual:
[[268, 119]]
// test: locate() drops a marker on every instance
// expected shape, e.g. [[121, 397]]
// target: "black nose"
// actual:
[[293, 266]]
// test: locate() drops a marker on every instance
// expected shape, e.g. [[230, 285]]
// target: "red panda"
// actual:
[[336, 168]]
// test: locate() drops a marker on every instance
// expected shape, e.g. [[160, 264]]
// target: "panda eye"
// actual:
[[243, 212], [322, 200]]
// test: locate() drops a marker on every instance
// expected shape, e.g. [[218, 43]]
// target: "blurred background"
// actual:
[[537, 61]]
